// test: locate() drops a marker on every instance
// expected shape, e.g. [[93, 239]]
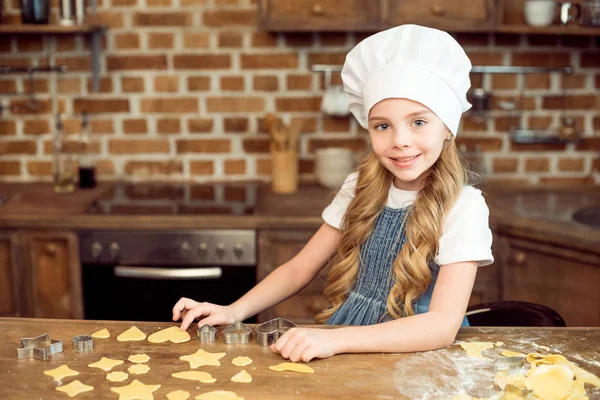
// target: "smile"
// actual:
[[405, 162]]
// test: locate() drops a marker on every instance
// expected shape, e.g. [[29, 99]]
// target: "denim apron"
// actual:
[[366, 303]]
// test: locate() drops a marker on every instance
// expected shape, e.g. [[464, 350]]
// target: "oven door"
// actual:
[[148, 293]]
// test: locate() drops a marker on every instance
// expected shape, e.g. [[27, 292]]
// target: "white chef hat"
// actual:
[[413, 62]]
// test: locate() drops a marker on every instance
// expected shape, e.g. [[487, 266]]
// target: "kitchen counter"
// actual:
[[435, 374]]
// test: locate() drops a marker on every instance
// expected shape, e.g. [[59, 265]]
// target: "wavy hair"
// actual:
[[423, 224]]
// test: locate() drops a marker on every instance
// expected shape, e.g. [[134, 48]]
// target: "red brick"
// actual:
[[196, 40], [160, 40], [263, 166], [168, 125], [18, 147], [306, 166], [232, 83], [476, 79], [567, 182], [298, 104], [333, 124], [537, 81], [36, 127], [537, 164], [230, 39], [326, 58], [127, 41], [235, 167], [506, 124], [203, 146], [299, 82], [127, 146], [42, 107], [65, 43], [39, 168], [10, 168], [131, 84], [136, 62], [104, 86], [573, 81], [266, 83], [539, 122], [79, 64], [198, 83], [102, 126], [105, 167], [202, 167], [159, 3], [548, 59], [236, 125], [333, 38], [7, 86], [256, 145], [589, 144], [472, 125], [264, 39], [36, 85], [153, 168], [355, 144], [162, 19], [542, 40], [479, 143], [235, 104], [169, 105], [597, 81], [206, 61], [590, 59], [8, 127], [200, 125], [541, 147], [69, 85], [265, 61], [582, 102], [504, 165], [124, 3], [229, 18], [472, 39], [135, 126], [571, 164], [580, 42], [524, 103], [194, 3], [30, 44], [96, 106], [299, 39], [504, 81], [486, 58], [166, 83]]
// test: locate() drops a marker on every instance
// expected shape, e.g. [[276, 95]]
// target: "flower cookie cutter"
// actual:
[[40, 347], [236, 333], [83, 343], [268, 332], [207, 334]]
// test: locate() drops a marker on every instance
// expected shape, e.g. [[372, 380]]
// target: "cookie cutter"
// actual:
[[236, 333], [40, 347], [207, 334], [268, 332], [83, 343], [511, 364]]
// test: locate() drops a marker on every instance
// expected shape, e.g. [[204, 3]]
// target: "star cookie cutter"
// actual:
[[40, 347], [207, 334], [236, 333], [268, 332], [83, 343]]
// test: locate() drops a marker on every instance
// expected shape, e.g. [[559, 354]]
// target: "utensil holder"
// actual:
[[284, 171]]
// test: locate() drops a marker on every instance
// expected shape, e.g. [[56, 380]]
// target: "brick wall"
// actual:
[[185, 84]]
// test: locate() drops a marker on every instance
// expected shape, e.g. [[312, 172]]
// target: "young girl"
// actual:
[[407, 231]]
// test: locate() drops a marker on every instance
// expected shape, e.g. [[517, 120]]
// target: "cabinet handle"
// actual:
[[438, 10], [50, 249], [317, 9], [520, 257]]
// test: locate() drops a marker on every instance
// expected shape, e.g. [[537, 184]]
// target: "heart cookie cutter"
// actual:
[[83, 343], [40, 347], [207, 334], [236, 333], [268, 332]]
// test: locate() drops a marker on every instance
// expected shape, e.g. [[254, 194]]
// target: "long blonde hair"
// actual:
[[423, 224]]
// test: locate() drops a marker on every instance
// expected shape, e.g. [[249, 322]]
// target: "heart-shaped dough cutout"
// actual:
[[172, 334]]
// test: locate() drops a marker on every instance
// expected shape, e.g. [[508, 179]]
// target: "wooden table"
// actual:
[[427, 375]]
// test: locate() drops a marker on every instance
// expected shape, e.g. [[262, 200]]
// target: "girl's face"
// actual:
[[408, 138]]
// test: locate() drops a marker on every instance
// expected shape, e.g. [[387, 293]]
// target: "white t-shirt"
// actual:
[[466, 235]]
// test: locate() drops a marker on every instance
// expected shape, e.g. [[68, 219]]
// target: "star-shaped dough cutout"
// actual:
[[61, 372], [136, 390], [106, 364], [74, 388], [201, 358]]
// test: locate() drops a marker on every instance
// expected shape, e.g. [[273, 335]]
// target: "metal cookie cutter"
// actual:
[[83, 343], [236, 333], [268, 332], [41, 347], [207, 333]]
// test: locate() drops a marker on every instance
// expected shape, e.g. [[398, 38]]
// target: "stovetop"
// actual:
[[182, 198]]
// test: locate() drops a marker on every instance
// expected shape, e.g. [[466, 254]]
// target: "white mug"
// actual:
[[540, 12], [333, 165]]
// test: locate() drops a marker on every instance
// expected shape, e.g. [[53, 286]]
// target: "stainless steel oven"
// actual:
[[139, 275]]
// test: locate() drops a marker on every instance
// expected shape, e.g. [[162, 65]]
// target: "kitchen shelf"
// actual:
[[550, 30], [24, 29]]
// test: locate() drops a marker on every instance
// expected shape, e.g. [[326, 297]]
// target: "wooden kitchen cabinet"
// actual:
[[9, 261], [558, 277], [446, 15], [52, 275], [319, 15]]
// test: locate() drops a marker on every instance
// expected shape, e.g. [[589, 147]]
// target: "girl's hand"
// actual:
[[188, 310], [304, 344]]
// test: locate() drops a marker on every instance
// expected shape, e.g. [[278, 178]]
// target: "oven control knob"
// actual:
[[221, 249], [96, 250], [185, 250], [202, 249], [238, 250], [114, 250]]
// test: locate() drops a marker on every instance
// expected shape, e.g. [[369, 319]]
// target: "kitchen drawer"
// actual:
[[446, 15], [321, 15]]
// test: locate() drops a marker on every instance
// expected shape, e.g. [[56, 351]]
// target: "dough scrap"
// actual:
[[138, 369], [202, 377], [544, 348], [172, 334], [241, 361], [117, 376], [510, 353], [474, 349], [287, 366], [61, 372], [219, 395], [138, 358], [201, 358], [101, 334], [178, 395], [551, 382], [498, 344], [136, 390], [106, 364], [74, 388], [131, 334], [242, 377]]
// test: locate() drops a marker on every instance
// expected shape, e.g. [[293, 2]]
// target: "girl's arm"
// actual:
[[282, 283], [432, 330]]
